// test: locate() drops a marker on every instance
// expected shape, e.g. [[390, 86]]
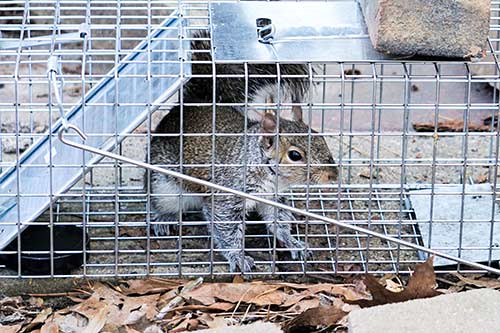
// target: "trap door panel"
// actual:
[[112, 108]]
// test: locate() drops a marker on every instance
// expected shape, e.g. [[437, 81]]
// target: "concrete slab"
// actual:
[[448, 229], [446, 28], [467, 312]]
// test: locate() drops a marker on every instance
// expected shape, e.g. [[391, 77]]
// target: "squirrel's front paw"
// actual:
[[243, 262], [161, 229]]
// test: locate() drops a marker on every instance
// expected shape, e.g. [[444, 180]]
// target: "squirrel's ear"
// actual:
[[297, 113], [268, 125], [268, 122]]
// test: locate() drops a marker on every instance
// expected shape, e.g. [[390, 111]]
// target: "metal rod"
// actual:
[[262, 200]]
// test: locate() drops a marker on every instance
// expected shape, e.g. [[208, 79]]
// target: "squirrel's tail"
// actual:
[[233, 87]]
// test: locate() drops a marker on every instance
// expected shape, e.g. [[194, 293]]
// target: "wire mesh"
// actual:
[[391, 126]]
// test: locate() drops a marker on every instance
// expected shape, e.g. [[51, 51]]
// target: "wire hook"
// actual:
[[66, 129]]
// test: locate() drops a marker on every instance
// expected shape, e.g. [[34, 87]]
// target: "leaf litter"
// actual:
[[157, 305]]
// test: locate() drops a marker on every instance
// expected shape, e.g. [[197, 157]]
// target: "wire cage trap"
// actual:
[[410, 139]]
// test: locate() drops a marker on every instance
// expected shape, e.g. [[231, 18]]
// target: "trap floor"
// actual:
[[121, 244]]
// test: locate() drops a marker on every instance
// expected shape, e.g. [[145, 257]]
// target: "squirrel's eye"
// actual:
[[294, 155]]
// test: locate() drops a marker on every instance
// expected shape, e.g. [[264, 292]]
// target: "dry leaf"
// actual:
[[10, 328], [450, 125], [479, 282], [219, 306], [88, 308], [304, 305], [149, 286], [259, 294], [39, 319], [72, 322], [11, 301], [393, 286], [130, 329], [481, 179], [420, 285], [50, 327], [36, 301], [133, 309], [238, 279], [97, 322], [189, 324], [205, 318], [176, 301], [76, 299], [218, 322], [348, 291], [315, 318], [153, 329]]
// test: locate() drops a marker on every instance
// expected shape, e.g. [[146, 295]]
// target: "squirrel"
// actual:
[[251, 149]]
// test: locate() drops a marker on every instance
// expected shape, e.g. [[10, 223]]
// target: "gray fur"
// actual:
[[260, 148], [294, 78]]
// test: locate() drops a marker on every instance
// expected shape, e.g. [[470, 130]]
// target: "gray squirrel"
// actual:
[[249, 153]]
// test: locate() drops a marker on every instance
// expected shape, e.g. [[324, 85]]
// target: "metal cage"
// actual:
[[415, 143]]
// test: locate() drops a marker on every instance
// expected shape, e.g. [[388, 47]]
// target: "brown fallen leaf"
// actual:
[[179, 299], [304, 305], [348, 291], [420, 285], [11, 301], [36, 301], [187, 325], [205, 319], [70, 321], [10, 328], [88, 308], [130, 329], [76, 299], [314, 319], [367, 175], [255, 293], [39, 319], [393, 286], [97, 322], [479, 282], [219, 306], [50, 327], [132, 310], [238, 279], [481, 179], [149, 286], [450, 125]]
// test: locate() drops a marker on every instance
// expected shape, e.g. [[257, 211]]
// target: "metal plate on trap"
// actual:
[[304, 31], [477, 229]]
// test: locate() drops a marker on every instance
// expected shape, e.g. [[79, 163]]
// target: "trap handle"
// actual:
[[81, 134]]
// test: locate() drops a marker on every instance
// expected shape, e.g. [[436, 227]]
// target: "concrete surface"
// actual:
[[444, 28], [467, 312], [446, 229]]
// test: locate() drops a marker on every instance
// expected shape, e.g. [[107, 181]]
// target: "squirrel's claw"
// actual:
[[244, 263]]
